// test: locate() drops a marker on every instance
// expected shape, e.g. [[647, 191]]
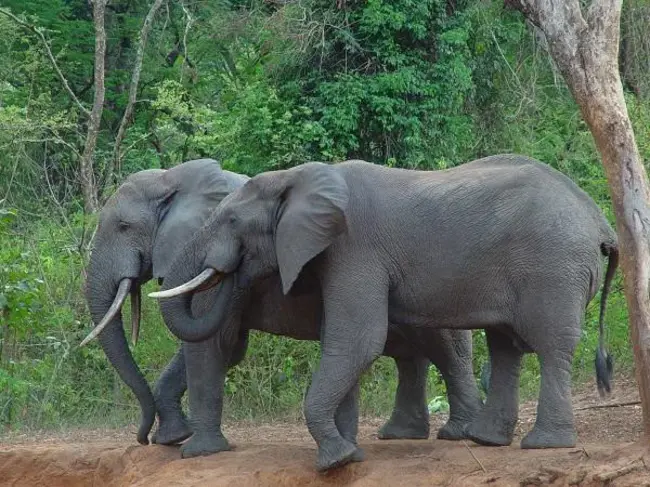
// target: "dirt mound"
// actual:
[[284, 454], [292, 464]]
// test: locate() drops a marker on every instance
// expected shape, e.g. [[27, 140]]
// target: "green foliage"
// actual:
[[390, 81], [261, 86]]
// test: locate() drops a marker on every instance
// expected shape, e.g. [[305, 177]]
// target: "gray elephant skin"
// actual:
[[141, 227], [504, 243]]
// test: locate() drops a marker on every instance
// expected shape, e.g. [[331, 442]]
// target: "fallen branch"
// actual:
[[546, 475], [614, 474], [536, 479], [555, 473], [610, 405], [474, 456], [577, 477]]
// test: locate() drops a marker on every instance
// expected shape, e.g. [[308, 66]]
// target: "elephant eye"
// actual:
[[232, 220], [123, 225]]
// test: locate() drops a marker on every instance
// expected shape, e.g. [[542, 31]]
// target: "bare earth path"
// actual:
[[282, 454]]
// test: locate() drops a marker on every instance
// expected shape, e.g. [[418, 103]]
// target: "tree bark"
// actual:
[[86, 170], [127, 118], [584, 45]]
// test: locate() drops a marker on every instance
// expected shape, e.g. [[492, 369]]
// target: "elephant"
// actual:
[[504, 243], [142, 226], [139, 228]]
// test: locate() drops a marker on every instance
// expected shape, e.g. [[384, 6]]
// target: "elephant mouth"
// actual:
[[126, 286], [207, 279]]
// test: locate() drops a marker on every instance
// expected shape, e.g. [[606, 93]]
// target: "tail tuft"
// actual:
[[604, 361], [604, 371]]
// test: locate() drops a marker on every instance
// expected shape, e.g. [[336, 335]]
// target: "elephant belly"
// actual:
[[297, 317], [467, 310]]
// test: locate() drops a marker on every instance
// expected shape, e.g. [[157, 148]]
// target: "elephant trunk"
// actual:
[[101, 295], [177, 310]]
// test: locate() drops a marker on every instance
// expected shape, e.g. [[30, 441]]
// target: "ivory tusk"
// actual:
[[207, 279], [136, 313], [120, 297]]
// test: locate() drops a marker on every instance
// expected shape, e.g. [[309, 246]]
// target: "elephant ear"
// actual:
[[198, 188], [311, 216]]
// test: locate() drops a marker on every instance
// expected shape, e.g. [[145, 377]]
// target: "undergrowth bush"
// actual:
[[46, 381], [259, 85]]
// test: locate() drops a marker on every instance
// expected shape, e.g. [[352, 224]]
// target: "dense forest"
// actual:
[[258, 85]]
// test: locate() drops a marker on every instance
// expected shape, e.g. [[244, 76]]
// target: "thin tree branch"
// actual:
[[610, 405], [40, 34], [133, 91], [86, 167], [188, 25]]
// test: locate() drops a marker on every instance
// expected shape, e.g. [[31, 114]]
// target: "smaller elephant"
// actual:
[[504, 243], [141, 227]]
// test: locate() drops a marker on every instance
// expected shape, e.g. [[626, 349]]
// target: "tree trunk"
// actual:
[[133, 91], [584, 45], [87, 175]]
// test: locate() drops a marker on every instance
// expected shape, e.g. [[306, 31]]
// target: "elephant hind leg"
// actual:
[[451, 352], [495, 424], [554, 425], [173, 427], [410, 416]]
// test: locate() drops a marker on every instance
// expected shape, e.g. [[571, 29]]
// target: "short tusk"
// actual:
[[120, 296], [207, 279], [136, 312]]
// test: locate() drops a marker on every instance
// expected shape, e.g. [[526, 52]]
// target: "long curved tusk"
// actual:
[[136, 313], [207, 279], [120, 297]]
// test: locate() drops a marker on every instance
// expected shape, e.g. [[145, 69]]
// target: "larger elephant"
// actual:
[[141, 227], [504, 243]]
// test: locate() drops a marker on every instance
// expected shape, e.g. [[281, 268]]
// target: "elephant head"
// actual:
[[140, 227], [277, 222]]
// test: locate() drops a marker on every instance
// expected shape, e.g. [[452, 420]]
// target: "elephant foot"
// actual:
[[543, 438], [337, 452], [358, 456], [453, 430], [171, 432], [401, 428], [489, 431], [204, 444]]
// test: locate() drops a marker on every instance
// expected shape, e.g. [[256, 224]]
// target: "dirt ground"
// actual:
[[283, 454]]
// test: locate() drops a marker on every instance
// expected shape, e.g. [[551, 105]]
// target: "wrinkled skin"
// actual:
[[147, 218], [504, 243], [264, 307], [140, 228]]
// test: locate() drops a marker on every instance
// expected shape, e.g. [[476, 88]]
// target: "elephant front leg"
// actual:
[[410, 417], [206, 373], [353, 336], [495, 424], [173, 426], [347, 420]]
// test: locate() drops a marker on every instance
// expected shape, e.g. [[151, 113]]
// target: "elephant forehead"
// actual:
[[128, 203]]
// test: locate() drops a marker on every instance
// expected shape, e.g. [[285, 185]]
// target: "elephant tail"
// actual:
[[604, 361]]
